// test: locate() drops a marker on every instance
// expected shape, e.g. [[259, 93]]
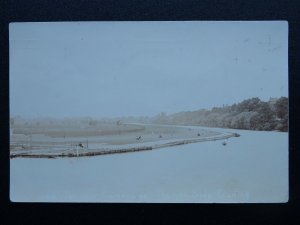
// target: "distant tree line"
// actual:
[[250, 114]]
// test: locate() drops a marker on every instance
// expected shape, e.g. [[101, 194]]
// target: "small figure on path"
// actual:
[[80, 145], [139, 137]]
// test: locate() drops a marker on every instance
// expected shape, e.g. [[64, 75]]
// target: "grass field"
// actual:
[[109, 137]]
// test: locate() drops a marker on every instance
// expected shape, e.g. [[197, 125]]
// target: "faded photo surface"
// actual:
[[158, 112]]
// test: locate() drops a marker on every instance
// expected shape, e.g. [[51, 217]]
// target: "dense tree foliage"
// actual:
[[250, 114]]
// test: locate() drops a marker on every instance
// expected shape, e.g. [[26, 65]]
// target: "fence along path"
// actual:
[[75, 152]]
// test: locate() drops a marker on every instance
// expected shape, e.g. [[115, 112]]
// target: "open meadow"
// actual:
[[59, 140]]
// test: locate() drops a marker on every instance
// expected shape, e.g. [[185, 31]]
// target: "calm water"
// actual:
[[250, 168]]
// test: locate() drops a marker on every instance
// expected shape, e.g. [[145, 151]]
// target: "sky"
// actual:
[[112, 69]]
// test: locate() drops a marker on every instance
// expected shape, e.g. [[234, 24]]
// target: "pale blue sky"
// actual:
[[108, 69]]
